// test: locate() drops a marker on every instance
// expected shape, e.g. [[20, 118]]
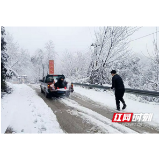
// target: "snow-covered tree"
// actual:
[[151, 74], [38, 61], [12, 51], [110, 47], [49, 50], [75, 65], [68, 64], [4, 58], [19, 61]]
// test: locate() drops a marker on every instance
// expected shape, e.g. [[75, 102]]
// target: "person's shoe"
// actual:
[[118, 109], [124, 106]]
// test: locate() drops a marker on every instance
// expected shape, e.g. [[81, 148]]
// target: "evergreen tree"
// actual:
[[4, 58]]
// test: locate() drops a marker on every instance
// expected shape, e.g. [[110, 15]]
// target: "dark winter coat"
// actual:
[[117, 82], [59, 83]]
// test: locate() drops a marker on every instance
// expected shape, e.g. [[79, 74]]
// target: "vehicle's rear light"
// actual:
[[57, 87], [48, 86], [65, 87]]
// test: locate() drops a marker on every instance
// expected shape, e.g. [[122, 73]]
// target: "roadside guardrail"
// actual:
[[127, 90]]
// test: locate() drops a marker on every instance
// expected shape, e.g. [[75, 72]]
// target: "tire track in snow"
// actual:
[[107, 112], [87, 118], [97, 118]]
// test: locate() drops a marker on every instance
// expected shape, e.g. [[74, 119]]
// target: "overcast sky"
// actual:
[[73, 38]]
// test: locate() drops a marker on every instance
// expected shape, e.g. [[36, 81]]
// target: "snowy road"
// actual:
[[67, 117], [78, 114]]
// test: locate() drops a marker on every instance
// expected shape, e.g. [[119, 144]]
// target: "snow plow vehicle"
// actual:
[[55, 86]]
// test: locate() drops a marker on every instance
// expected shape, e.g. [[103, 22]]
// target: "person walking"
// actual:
[[117, 84]]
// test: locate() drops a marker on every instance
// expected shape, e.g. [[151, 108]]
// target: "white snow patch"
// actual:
[[98, 119], [37, 85], [26, 112], [108, 99]]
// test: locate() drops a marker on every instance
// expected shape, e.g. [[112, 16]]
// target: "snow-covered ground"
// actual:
[[102, 122], [108, 99], [26, 112]]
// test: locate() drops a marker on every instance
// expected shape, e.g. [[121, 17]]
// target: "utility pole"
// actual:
[[93, 62], [95, 51]]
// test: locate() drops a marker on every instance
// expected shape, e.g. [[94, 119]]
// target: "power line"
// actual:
[[133, 29], [143, 36]]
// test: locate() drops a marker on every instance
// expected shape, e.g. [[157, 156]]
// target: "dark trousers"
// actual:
[[119, 93]]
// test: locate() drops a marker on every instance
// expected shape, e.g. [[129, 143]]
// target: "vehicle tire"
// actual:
[[47, 95], [42, 91], [67, 94]]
